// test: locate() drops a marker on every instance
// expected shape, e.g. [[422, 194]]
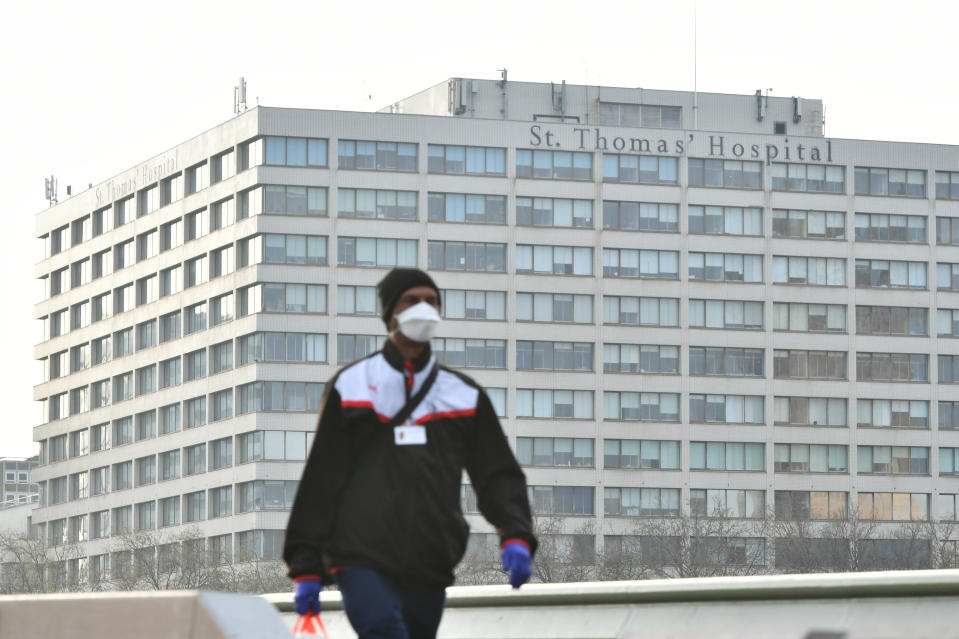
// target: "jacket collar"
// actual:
[[396, 359]]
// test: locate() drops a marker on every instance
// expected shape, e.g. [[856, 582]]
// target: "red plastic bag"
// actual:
[[309, 625]]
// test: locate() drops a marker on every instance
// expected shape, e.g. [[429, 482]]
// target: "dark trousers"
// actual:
[[381, 609]]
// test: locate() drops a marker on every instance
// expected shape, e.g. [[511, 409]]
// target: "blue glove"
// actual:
[[518, 562], [307, 595]]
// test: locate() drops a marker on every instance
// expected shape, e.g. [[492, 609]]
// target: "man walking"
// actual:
[[378, 505]]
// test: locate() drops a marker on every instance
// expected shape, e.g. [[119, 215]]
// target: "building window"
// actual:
[[171, 235], [81, 273], [647, 116], [796, 364], [122, 520], [469, 160], [811, 458], [284, 298], [284, 151], [811, 504], [223, 214], [467, 207], [555, 451], [265, 495], [726, 409], [811, 178], [891, 274], [809, 271], [554, 404], [896, 182], [892, 320], [892, 367], [474, 353], [641, 502], [641, 358], [640, 311], [726, 267], [647, 454], [223, 166], [459, 304], [947, 276], [731, 503], [572, 356], [555, 260], [221, 405], [148, 200], [196, 271], [146, 425], [897, 460], [196, 225], [948, 368], [221, 501], [377, 156], [879, 227], [146, 470], [194, 318], [170, 326], [545, 211], [194, 506], [809, 411], [169, 465], [102, 221], [278, 396], [222, 261], [640, 263], [947, 185], [194, 412], [730, 174], [812, 225], [194, 365], [893, 506], [194, 459], [221, 357], [170, 511], [892, 413], [557, 165], [171, 189], [561, 500], [646, 407], [221, 453], [554, 307], [734, 362], [725, 314], [948, 415], [123, 475], [376, 252], [221, 307], [809, 318], [725, 220], [377, 204], [171, 280], [288, 347], [727, 456], [169, 419], [641, 169], [474, 256], [100, 437], [197, 178]]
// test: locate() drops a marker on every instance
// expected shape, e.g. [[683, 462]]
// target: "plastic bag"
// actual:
[[309, 625]]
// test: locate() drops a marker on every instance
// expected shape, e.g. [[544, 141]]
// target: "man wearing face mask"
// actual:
[[378, 505]]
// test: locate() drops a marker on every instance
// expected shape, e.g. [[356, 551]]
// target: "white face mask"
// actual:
[[418, 322]]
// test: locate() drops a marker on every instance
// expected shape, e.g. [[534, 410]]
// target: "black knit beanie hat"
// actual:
[[397, 282]]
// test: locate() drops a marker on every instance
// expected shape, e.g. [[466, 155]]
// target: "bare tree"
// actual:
[[31, 565], [562, 556]]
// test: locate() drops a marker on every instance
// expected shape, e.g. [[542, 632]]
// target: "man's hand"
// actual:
[[517, 562], [307, 595]]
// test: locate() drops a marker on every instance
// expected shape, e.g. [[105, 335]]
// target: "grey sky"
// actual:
[[91, 88]]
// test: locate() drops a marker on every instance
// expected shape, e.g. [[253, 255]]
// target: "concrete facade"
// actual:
[[548, 174]]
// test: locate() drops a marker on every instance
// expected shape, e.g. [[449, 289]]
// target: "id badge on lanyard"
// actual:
[[409, 434]]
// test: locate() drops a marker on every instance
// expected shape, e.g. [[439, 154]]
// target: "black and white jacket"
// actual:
[[365, 501]]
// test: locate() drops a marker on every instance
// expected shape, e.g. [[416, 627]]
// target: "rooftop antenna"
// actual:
[[239, 97], [50, 189], [695, 67]]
